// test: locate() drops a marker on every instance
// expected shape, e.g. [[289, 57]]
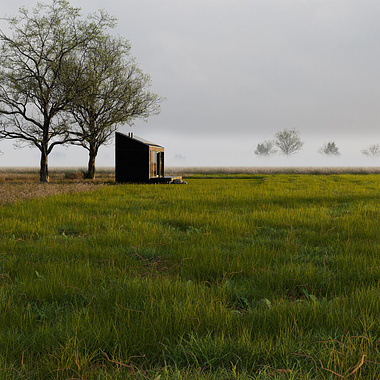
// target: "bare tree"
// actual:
[[329, 149], [115, 92], [288, 141], [265, 148], [35, 85], [372, 150]]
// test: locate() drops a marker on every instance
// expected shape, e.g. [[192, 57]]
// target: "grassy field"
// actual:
[[270, 276]]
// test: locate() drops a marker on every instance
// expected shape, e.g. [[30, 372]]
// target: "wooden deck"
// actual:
[[166, 179]]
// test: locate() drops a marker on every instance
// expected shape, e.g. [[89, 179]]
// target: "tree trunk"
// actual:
[[44, 172], [93, 151]]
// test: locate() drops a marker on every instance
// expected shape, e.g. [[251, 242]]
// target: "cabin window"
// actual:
[[153, 163], [160, 164]]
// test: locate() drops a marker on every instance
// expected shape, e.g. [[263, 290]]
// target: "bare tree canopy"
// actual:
[[114, 92], [288, 141], [265, 148], [329, 149], [372, 150], [35, 82]]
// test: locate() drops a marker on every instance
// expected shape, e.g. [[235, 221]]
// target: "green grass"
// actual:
[[260, 277]]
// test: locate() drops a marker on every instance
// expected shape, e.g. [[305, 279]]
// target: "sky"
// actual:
[[235, 72]]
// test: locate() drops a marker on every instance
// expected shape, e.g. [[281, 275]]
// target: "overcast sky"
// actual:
[[235, 72]]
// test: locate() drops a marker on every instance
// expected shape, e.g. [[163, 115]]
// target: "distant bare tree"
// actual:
[[265, 148], [372, 150], [329, 149], [289, 141]]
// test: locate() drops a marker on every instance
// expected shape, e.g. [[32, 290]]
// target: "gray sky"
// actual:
[[235, 72]]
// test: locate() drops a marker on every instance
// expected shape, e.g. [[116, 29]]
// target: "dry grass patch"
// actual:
[[21, 183], [11, 192]]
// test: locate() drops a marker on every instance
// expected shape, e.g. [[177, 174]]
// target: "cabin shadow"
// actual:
[[140, 161]]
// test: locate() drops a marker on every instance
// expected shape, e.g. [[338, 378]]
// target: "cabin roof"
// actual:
[[141, 140]]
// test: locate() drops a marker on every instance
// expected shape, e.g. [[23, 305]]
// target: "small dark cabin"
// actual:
[[139, 161]]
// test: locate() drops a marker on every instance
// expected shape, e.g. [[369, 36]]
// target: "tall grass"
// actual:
[[272, 276]]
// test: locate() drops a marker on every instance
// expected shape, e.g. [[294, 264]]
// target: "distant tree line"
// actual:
[[65, 80], [288, 142]]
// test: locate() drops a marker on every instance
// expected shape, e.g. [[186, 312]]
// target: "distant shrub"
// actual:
[[372, 150], [74, 175]]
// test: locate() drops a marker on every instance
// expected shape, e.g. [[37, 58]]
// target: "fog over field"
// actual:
[[235, 72]]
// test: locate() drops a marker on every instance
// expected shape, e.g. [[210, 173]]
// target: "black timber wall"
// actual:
[[131, 160]]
